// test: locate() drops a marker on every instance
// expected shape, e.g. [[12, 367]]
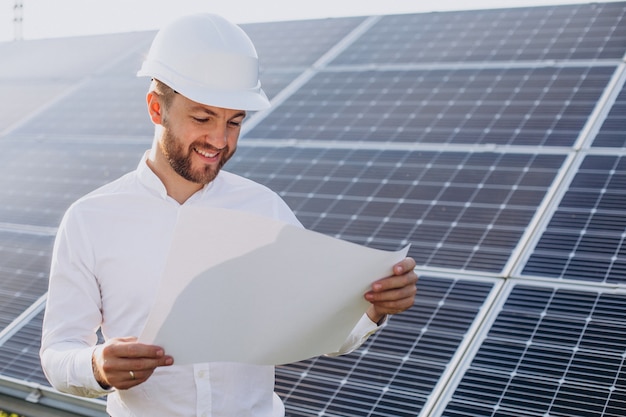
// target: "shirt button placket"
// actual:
[[203, 389]]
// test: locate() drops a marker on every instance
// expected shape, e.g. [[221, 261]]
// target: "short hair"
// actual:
[[164, 91]]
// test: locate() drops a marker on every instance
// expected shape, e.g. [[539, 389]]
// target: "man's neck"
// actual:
[[176, 186]]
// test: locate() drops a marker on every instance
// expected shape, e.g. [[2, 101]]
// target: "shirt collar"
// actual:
[[148, 178]]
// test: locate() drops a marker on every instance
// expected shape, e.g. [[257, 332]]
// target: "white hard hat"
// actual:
[[209, 60]]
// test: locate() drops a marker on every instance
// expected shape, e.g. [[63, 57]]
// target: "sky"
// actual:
[[62, 18]]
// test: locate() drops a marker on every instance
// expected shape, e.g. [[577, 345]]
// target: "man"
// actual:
[[111, 245]]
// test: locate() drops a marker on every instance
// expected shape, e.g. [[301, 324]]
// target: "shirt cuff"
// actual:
[[84, 367], [359, 334]]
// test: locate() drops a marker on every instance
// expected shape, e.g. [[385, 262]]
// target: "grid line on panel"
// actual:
[[546, 106], [22, 99], [102, 106], [297, 44], [24, 265], [396, 370], [586, 238], [612, 133], [497, 35], [550, 351], [458, 210], [19, 356], [42, 179]]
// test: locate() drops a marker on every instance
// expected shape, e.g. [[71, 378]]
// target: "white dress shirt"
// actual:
[[107, 261]]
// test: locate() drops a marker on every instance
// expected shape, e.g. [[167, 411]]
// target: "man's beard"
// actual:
[[180, 158]]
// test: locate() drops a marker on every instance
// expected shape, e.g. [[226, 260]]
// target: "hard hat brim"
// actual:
[[253, 99]]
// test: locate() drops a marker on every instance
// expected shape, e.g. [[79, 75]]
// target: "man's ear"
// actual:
[[154, 107]]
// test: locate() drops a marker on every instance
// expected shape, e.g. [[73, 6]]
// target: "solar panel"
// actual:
[[24, 266], [286, 49], [78, 57], [22, 98], [396, 371], [19, 356], [550, 351], [457, 210], [102, 107], [40, 179], [520, 106], [488, 140], [611, 133], [525, 34], [296, 45], [585, 239]]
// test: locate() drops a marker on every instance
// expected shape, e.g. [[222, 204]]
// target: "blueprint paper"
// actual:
[[243, 288]]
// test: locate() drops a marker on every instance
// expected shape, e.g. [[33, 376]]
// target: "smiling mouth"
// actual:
[[207, 154]]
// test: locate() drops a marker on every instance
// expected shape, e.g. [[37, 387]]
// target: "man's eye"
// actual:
[[235, 123], [200, 119]]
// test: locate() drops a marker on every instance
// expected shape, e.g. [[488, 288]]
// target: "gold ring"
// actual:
[[132, 374]]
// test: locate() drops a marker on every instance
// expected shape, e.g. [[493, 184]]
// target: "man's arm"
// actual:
[[69, 356], [73, 314]]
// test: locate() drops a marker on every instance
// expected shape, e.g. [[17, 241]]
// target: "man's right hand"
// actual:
[[123, 363]]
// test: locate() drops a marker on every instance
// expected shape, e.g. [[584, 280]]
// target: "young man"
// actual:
[[112, 244]]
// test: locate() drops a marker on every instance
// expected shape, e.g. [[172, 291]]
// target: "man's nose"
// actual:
[[217, 136]]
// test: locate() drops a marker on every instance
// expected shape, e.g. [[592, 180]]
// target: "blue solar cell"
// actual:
[[585, 238]]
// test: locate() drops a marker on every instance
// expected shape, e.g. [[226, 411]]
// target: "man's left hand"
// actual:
[[394, 294]]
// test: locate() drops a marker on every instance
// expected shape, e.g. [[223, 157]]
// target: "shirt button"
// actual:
[[201, 374]]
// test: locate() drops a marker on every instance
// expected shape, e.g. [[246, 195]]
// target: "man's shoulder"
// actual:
[[123, 185]]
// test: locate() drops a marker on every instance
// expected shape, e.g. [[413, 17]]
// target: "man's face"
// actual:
[[198, 140]]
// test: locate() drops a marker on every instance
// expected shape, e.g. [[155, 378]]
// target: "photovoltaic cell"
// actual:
[[102, 107], [550, 351], [24, 266], [67, 59], [22, 98], [585, 239], [19, 356], [40, 179], [390, 376], [458, 210], [524, 34], [297, 44], [286, 49], [522, 106], [612, 134]]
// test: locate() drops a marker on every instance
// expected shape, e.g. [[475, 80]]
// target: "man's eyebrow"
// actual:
[[212, 113]]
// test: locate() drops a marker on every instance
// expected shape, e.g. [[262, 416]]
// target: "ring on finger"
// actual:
[[132, 375]]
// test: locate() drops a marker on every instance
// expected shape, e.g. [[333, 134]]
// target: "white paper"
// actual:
[[243, 288]]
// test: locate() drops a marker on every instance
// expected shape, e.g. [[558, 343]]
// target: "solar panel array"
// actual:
[[492, 141]]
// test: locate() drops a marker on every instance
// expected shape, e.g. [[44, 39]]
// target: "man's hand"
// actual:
[[123, 363], [393, 294]]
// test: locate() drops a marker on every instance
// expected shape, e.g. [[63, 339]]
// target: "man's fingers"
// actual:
[[129, 348], [394, 306], [390, 291], [404, 266], [124, 363], [395, 281]]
